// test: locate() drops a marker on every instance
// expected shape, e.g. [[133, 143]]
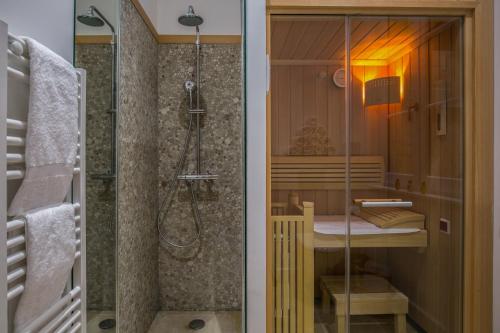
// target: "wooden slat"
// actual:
[[293, 273], [293, 39], [93, 39], [278, 279], [280, 31], [300, 277], [311, 34], [286, 277], [308, 267], [204, 39], [325, 172], [293, 270], [333, 29], [383, 24], [417, 239]]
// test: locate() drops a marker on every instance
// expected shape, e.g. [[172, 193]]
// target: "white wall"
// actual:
[[151, 8], [221, 17], [109, 8], [496, 207], [48, 21]]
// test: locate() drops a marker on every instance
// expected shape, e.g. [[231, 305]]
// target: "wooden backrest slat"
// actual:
[[325, 172]]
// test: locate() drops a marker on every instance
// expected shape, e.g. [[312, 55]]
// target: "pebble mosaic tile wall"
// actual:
[[101, 195], [207, 276], [138, 289]]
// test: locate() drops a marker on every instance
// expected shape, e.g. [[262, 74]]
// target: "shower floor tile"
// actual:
[[95, 317], [178, 321]]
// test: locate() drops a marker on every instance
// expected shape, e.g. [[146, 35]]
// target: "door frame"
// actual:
[[478, 139]]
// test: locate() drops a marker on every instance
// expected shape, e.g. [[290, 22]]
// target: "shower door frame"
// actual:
[[478, 95]]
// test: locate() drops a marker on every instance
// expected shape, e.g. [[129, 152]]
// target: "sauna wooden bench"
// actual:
[[416, 239], [370, 295]]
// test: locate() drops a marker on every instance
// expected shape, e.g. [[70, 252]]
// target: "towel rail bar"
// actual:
[[76, 327], [15, 224], [13, 39], [15, 141], [15, 291], [15, 158], [19, 174], [15, 258], [53, 310], [16, 274], [54, 323], [19, 223], [19, 60], [16, 124], [67, 324], [15, 241], [18, 75]]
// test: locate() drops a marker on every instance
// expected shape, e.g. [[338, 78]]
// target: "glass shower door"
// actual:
[[405, 179]]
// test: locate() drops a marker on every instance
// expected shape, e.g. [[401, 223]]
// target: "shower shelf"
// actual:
[[198, 177]]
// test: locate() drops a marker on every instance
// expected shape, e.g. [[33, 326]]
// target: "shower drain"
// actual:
[[106, 324], [196, 324]]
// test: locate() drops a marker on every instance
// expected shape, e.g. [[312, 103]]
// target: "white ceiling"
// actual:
[[221, 17]]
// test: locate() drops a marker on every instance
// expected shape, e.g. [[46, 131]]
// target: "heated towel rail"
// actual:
[[68, 314]]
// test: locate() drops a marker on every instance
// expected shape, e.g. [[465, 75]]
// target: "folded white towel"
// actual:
[[50, 249], [52, 133]]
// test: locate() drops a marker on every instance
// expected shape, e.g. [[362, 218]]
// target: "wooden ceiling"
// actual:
[[314, 39]]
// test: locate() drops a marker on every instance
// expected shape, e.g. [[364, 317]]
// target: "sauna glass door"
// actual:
[[366, 123], [405, 147]]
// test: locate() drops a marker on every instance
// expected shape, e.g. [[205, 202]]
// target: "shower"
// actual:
[[193, 179], [94, 18]]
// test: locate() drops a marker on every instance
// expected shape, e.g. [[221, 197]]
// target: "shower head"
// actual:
[[94, 18], [90, 19], [190, 19]]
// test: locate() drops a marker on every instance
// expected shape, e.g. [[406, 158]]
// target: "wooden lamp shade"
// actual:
[[384, 90]]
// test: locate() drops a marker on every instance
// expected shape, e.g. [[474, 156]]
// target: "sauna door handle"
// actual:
[[398, 204]]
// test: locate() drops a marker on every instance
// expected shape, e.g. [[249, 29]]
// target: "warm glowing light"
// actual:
[[368, 69]]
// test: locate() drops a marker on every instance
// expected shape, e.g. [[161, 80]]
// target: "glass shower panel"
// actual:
[[96, 46], [406, 174], [308, 162]]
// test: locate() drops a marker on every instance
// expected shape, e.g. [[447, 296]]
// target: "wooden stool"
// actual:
[[370, 295]]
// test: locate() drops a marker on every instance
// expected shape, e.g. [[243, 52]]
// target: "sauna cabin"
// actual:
[[367, 168]]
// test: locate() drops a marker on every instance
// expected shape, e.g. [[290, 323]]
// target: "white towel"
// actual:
[[52, 133], [50, 249]]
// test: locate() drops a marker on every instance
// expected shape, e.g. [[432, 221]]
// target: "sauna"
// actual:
[[367, 173]]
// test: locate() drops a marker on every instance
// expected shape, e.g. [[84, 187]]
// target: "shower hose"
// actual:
[[171, 189]]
